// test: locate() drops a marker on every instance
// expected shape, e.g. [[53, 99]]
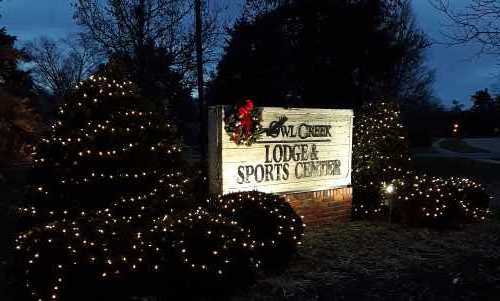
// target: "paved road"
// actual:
[[492, 145], [489, 144]]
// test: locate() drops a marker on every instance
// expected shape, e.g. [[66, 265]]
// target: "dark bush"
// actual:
[[189, 252], [275, 225], [211, 248], [420, 137], [442, 202]]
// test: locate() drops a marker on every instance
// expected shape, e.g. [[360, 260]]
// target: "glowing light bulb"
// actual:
[[390, 189]]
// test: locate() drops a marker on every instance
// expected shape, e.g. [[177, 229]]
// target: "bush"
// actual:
[[275, 225], [203, 251], [210, 248], [420, 137], [442, 202]]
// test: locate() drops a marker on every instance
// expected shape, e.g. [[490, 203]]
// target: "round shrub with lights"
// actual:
[[437, 201], [210, 250], [276, 227]]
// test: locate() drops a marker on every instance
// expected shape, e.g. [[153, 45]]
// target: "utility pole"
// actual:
[[201, 92]]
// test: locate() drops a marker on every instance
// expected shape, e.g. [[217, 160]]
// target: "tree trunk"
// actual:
[[201, 92]]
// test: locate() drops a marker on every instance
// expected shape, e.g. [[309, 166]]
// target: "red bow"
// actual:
[[246, 109], [245, 113]]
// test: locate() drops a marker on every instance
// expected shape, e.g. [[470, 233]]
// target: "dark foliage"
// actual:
[[18, 126], [211, 252], [483, 119], [482, 101], [420, 137], [19, 122], [156, 80], [301, 54], [276, 227], [437, 124], [480, 124], [197, 252], [12, 79], [442, 202]]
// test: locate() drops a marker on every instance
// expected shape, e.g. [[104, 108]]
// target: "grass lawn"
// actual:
[[374, 261], [460, 146]]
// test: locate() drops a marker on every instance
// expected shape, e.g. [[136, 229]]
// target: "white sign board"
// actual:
[[310, 151]]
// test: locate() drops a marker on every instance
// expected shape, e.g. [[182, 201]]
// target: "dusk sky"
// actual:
[[458, 71]]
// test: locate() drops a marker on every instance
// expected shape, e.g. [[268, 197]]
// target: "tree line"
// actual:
[[333, 53]]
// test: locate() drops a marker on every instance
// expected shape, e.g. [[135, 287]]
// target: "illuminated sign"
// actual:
[[299, 150]]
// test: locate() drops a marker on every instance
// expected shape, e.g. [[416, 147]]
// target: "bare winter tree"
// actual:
[[126, 26], [58, 65], [478, 21], [413, 78]]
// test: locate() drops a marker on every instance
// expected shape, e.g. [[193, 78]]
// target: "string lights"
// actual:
[[110, 198], [382, 169]]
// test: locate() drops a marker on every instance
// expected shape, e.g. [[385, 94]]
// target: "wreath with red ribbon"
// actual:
[[242, 123]]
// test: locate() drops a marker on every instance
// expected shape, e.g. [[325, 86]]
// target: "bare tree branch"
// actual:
[[124, 26], [478, 21], [58, 65]]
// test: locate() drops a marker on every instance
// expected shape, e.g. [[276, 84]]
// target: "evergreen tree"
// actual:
[[12, 79], [107, 143], [18, 120], [155, 79], [497, 104], [482, 101], [107, 172], [457, 107], [18, 126], [324, 54], [380, 155]]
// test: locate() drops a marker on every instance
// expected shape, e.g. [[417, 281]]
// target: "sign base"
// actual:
[[324, 207]]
